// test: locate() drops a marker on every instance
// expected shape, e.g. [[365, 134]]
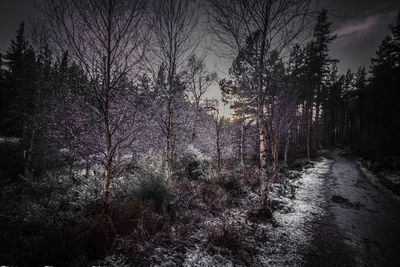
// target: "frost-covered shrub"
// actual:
[[228, 236], [194, 165], [144, 180], [151, 186], [88, 187], [260, 214], [152, 161], [232, 185]]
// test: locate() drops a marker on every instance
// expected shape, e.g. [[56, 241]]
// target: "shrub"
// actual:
[[144, 198], [232, 185], [193, 165], [144, 180], [260, 214], [296, 165], [151, 187], [86, 192], [226, 236]]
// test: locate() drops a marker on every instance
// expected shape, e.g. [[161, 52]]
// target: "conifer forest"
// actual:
[[199, 133]]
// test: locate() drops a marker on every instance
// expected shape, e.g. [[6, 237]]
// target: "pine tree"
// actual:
[[332, 106], [317, 69], [382, 96], [28, 85], [360, 85], [3, 97], [20, 75]]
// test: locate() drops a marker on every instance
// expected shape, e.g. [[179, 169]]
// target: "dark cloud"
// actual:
[[359, 38], [360, 26]]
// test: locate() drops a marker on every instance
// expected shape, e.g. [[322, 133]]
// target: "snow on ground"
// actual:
[[13, 140], [287, 237], [201, 257], [393, 178], [291, 238], [374, 180]]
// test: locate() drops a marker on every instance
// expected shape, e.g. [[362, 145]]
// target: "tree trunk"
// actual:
[[109, 168], [308, 139], [309, 126], [109, 152], [262, 146], [107, 184], [195, 121], [28, 157], [333, 128], [168, 162], [218, 136], [241, 150], [317, 133], [169, 138], [287, 148], [275, 152]]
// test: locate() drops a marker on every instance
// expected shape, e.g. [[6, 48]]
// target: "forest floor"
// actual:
[[338, 217], [331, 213]]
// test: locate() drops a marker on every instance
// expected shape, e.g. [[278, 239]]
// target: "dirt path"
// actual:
[[361, 226]]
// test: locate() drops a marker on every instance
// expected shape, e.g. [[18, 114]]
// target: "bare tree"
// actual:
[[172, 23], [244, 123], [252, 30], [268, 25], [212, 106], [199, 79], [282, 117], [107, 38]]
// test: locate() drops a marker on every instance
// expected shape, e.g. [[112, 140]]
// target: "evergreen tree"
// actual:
[[317, 69], [383, 95], [20, 74], [332, 106], [3, 97], [347, 108], [360, 85]]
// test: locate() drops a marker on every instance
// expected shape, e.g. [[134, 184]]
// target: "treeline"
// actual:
[[107, 94], [115, 91], [305, 104]]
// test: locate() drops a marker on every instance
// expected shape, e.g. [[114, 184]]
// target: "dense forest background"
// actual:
[[106, 133]]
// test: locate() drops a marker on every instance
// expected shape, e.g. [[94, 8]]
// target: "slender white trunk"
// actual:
[[287, 147], [242, 146]]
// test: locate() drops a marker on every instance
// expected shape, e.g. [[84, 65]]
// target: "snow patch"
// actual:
[[9, 140], [285, 241], [292, 235], [374, 180], [201, 257]]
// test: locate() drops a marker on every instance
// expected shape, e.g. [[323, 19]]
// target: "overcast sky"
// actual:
[[359, 24]]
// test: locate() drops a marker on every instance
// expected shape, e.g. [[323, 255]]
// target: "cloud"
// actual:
[[358, 26]]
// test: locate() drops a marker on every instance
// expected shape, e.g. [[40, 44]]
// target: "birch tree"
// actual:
[[251, 30], [172, 23], [107, 39], [199, 79]]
